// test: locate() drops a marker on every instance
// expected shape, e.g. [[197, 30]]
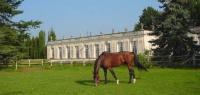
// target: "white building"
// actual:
[[91, 46]]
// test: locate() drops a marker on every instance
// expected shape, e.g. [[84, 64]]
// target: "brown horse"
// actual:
[[109, 60]]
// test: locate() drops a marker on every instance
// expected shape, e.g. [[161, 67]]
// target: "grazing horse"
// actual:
[[109, 60]]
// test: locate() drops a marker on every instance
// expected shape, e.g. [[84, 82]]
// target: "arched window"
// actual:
[[108, 47], [120, 46], [60, 52], [134, 46], [86, 51], [68, 52], [97, 50], [77, 51], [52, 53]]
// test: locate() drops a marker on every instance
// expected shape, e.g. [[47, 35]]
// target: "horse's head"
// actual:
[[96, 78]]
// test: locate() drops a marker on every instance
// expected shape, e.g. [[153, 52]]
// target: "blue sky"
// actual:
[[75, 17]]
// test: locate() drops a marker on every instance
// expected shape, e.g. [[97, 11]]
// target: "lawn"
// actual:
[[77, 80]]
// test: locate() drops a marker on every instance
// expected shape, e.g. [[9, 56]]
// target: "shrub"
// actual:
[[143, 59]]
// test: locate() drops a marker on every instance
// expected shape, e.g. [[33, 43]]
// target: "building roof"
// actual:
[[117, 34]]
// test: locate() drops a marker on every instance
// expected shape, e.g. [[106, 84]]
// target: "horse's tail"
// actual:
[[137, 63]]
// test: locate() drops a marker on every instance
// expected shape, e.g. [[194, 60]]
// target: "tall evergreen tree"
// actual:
[[32, 48], [172, 29], [13, 34], [149, 14], [37, 50], [194, 7], [38, 46], [41, 44], [51, 35]]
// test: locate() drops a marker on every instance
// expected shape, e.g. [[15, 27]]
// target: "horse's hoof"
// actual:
[[134, 81], [117, 81]]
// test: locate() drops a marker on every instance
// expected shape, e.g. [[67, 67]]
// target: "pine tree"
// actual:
[[13, 34], [41, 44], [51, 35], [172, 29], [149, 14]]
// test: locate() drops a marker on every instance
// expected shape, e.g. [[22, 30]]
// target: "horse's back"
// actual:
[[116, 58]]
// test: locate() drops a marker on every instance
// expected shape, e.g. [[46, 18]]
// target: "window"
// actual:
[[71, 52], [52, 52], [60, 52], [120, 46], [86, 51], [68, 52], [108, 47], [97, 50], [64, 51], [134, 47], [77, 51]]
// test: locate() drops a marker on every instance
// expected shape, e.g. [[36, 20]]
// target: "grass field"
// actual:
[[77, 80]]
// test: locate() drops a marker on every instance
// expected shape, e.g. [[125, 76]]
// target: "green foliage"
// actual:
[[149, 14], [42, 45], [8, 43], [172, 28], [144, 59], [8, 9], [13, 36], [51, 35], [137, 27], [194, 6], [37, 46]]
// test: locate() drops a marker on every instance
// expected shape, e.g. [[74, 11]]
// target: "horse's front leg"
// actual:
[[113, 74], [105, 75]]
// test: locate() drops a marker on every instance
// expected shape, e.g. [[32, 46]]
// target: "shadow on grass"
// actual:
[[91, 82], [12, 93], [85, 82]]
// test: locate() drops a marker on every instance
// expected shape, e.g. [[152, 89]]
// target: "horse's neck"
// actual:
[[98, 64], [97, 67]]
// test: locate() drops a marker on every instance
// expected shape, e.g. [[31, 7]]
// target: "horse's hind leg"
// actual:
[[105, 75], [132, 76], [113, 74]]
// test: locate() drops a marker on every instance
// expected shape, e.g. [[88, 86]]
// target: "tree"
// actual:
[[172, 29], [41, 44], [13, 34], [51, 35], [149, 14], [32, 48], [8, 43], [37, 46], [194, 6]]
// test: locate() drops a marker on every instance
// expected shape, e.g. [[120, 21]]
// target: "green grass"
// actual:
[[77, 80]]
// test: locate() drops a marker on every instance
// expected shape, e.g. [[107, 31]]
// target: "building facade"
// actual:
[[91, 47]]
